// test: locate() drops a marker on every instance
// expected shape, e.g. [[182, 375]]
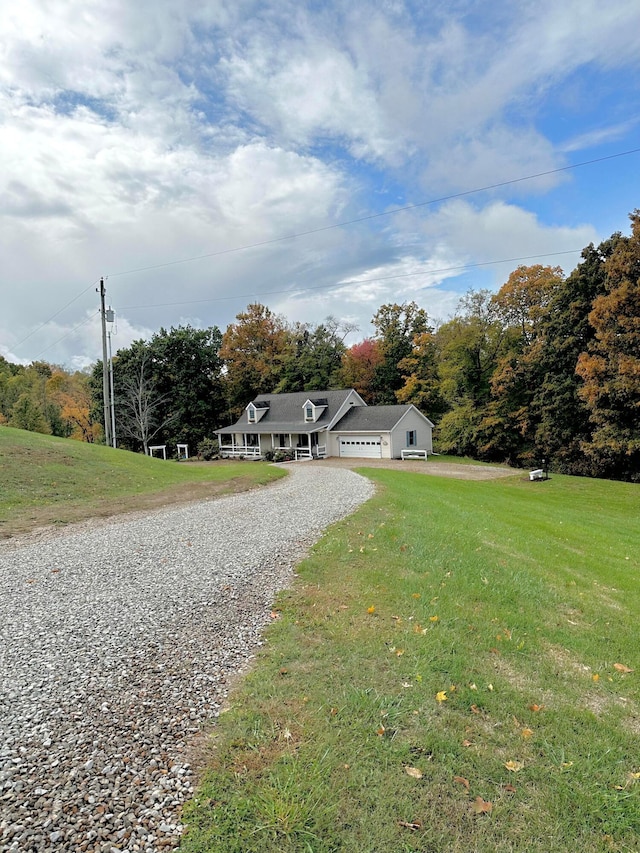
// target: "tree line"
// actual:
[[546, 368]]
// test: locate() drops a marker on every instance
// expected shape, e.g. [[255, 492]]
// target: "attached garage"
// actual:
[[360, 446]]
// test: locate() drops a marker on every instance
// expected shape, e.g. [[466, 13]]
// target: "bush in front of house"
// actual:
[[209, 448]]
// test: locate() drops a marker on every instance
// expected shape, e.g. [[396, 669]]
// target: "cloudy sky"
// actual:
[[319, 157]]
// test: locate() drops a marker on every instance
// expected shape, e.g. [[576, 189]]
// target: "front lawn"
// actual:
[[455, 670]]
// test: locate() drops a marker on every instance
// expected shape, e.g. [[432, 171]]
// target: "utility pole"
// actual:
[[105, 369], [112, 402]]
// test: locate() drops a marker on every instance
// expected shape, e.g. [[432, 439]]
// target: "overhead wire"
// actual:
[[324, 228], [53, 316], [67, 334], [371, 216], [295, 290]]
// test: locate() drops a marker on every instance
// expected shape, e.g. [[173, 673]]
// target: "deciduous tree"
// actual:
[[254, 351], [359, 368], [610, 368], [396, 328]]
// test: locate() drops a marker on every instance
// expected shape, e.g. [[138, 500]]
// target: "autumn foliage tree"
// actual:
[[610, 367], [360, 364], [254, 350]]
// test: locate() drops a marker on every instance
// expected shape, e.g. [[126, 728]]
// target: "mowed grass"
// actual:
[[450, 673], [46, 480]]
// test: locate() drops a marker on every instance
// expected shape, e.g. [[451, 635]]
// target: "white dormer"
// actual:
[[255, 411], [313, 409]]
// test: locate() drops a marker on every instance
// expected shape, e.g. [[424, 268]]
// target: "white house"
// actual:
[[317, 424]]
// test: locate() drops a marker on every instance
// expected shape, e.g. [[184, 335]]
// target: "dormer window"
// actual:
[[251, 414], [309, 414]]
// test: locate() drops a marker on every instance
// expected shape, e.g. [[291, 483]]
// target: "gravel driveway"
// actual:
[[118, 641]]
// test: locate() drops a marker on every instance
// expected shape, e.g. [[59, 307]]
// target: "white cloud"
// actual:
[[140, 134]]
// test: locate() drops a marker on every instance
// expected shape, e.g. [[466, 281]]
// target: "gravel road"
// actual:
[[117, 642]]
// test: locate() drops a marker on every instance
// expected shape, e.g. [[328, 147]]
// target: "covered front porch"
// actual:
[[247, 445]]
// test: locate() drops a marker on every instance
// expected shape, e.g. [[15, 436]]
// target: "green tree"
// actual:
[[420, 370], [396, 328], [168, 388], [610, 367], [562, 424], [314, 358], [27, 413], [187, 371], [507, 431], [470, 347]]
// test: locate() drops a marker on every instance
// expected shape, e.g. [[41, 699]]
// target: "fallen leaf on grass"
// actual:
[[475, 709], [536, 708], [467, 743], [461, 781], [595, 677], [414, 825], [413, 772], [441, 696], [526, 733], [381, 731], [509, 789], [621, 667], [514, 766], [434, 618], [371, 609], [480, 806], [274, 614]]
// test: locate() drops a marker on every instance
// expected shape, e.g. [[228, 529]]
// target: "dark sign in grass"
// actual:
[[46, 480], [456, 669]]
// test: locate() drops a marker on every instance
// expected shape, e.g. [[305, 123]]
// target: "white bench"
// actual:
[[538, 474], [413, 453]]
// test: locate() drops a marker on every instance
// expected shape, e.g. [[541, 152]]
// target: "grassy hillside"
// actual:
[[46, 480], [457, 669]]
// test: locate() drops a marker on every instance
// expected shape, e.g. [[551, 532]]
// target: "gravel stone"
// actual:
[[118, 641]]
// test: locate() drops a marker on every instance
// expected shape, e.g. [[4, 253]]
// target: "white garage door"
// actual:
[[363, 446]]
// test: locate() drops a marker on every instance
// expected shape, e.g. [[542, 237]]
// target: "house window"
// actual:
[[308, 412], [251, 414], [412, 438]]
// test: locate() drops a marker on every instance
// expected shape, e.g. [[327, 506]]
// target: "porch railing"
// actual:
[[237, 450]]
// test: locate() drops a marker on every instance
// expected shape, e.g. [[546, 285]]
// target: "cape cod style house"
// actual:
[[317, 424]]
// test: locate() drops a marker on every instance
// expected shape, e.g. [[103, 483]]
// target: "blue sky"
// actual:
[[135, 135]]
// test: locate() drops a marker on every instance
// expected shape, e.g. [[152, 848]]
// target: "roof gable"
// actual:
[[374, 418], [286, 412]]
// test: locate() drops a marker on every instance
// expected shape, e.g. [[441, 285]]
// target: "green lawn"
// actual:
[[516, 605], [46, 480]]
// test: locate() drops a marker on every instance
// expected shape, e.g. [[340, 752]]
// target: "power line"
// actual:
[[375, 215], [352, 281], [66, 335], [317, 231], [53, 316]]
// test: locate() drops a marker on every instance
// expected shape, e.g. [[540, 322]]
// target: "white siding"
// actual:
[[412, 420]]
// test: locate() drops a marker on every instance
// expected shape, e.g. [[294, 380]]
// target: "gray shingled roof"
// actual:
[[285, 413], [368, 418]]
